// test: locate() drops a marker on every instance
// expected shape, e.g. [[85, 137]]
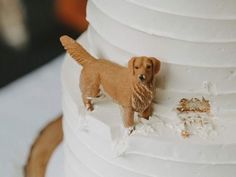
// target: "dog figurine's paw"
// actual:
[[141, 116], [89, 107], [130, 130], [100, 95]]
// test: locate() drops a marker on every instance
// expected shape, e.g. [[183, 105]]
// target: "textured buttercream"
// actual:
[[196, 42]]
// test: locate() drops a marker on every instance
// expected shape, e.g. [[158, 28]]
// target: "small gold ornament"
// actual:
[[185, 133]]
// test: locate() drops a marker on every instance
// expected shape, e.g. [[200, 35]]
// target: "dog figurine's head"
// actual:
[[143, 69]]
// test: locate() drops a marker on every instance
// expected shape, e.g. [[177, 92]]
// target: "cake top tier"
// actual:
[[207, 9], [199, 33]]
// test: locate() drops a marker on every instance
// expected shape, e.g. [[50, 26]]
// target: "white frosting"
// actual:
[[210, 9], [218, 52], [196, 43], [178, 81], [168, 25]]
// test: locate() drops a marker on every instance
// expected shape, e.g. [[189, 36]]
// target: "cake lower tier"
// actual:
[[98, 141], [60, 167], [97, 146]]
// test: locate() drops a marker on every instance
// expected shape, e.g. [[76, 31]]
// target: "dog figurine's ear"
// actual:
[[131, 65], [156, 65]]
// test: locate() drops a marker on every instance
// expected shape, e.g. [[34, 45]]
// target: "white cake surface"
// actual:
[[196, 42]]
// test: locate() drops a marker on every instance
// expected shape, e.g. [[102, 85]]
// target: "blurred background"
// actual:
[[31, 57], [29, 33]]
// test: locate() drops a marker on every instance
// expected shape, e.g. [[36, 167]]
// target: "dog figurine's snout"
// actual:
[[142, 77]]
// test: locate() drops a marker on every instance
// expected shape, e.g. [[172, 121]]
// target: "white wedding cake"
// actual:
[[192, 132]]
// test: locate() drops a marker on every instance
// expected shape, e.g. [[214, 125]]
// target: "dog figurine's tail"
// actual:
[[76, 50]]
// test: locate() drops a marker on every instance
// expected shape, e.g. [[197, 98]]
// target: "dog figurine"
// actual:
[[133, 88]]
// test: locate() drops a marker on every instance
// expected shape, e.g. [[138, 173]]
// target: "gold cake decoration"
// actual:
[[185, 133], [194, 113], [194, 105]]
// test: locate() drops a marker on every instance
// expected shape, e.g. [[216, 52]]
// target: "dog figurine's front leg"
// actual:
[[129, 118], [146, 113]]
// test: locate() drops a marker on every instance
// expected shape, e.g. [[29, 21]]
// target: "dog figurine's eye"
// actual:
[[136, 67], [148, 66]]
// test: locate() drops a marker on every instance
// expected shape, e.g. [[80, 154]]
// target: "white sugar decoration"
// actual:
[[82, 112], [211, 89], [83, 122], [142, 126], [120, 144], [147, 127]]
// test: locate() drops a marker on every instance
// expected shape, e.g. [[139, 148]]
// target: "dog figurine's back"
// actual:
[[132, 87]]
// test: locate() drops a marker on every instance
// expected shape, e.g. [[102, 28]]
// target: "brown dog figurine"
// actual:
[[132, 87]]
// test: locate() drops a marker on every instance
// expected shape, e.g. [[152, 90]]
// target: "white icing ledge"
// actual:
[[163, 143], [83, 144]]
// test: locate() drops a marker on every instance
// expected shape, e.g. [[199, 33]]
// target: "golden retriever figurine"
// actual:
[[132, 87]]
